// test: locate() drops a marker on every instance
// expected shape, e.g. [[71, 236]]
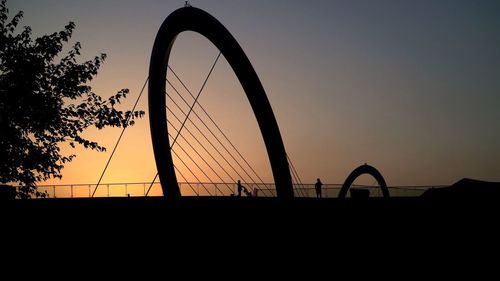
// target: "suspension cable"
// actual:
[[182, 175], [218, 128], [218, 140], [296, 177], [188, 183], [295, 182], [202, 146], [296, 174], [193, 136], [191, 171], [198, 166], [191, 109], [195, 100], [185, 180], [200, 156], [152, 182], [119, 138], [208, 140]]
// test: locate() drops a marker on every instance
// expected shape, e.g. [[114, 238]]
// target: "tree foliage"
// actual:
[[45, 100]]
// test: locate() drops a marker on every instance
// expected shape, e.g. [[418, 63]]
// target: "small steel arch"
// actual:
[[361, 170]]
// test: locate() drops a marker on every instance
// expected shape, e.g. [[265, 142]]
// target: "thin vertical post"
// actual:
[[71, 191]]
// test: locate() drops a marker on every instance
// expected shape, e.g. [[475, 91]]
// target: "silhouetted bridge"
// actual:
[[202, 151], [139, 189], [183, 130], [207, 212]]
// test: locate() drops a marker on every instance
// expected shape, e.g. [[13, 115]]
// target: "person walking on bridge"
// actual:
[[318, 186], [240, 188]]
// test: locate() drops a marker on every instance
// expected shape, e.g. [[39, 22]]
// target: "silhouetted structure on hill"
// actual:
[[466, 189]]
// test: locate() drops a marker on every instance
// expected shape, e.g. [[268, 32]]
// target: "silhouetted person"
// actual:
[[240, 188], [318, 186], [244, 189], [247, 192]]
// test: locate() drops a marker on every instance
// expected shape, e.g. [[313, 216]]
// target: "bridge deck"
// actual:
[[234, 227], [247, 210]]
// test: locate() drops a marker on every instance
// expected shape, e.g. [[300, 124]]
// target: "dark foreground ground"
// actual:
[[255, 215], [465, 203], [247, 234]]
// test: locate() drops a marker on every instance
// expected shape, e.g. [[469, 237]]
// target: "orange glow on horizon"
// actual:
[[414, 95]]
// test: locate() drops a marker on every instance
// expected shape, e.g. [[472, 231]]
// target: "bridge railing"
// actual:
[[333, 190], [139, 189]]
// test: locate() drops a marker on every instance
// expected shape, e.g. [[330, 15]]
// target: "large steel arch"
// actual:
[[193, 19], [361, 170]]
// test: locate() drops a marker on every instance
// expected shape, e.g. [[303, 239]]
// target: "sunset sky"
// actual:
[[410, 87]]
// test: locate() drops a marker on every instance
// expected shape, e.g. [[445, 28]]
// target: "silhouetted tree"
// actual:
[[45, 101]]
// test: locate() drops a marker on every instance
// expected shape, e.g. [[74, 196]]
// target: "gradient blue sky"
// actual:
[[411, 87]]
